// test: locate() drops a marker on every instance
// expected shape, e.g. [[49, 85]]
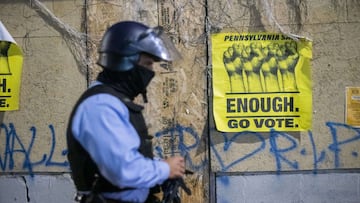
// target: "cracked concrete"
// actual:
[[39, 189], [26, 189]]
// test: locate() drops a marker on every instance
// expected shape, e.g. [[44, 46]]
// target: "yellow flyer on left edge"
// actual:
[[11, 60]]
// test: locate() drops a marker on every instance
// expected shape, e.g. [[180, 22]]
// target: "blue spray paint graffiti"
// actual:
[[317, 159], [227, 143], [180, 132], [336, 146], [14, 147], [280, 154]]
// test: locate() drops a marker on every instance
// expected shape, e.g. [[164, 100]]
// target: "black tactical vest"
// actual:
[[84, 171]]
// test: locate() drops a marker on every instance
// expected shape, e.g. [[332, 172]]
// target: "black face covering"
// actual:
[[130, 83]]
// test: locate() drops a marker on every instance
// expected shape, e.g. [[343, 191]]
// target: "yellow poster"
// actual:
[[11, 60], [261, 81], [353, 106]]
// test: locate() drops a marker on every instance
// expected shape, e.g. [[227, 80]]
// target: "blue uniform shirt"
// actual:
[[101, 125]]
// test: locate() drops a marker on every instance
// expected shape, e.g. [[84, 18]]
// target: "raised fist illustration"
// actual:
[[248, 66], [234, 67], [4, 62], [253, 59], [270, 68], [287, 60]]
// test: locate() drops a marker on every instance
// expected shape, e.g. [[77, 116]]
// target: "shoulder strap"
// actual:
[[103, 88]]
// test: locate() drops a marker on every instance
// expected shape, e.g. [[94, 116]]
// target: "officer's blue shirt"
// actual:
[[101, 125]]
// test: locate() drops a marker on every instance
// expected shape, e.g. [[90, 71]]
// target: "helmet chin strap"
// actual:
[[147, 76], [144, 96]]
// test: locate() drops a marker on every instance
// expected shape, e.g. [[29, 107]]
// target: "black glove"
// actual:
[[170, 189]]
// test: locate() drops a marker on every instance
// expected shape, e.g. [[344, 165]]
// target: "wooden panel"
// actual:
[[177, 107], [331, 144]]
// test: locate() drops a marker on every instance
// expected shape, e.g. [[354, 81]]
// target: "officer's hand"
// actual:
[[177, 166]]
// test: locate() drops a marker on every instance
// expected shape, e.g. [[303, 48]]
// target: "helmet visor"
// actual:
[[156, 42]]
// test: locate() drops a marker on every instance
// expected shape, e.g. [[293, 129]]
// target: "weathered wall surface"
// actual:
[[275, 167], [32, 138], [59, 63], [331, 144], [303, 187]]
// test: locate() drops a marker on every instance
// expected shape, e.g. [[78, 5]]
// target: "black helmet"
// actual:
[[123, 42]]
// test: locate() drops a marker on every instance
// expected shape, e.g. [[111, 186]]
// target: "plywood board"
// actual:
[[330, 144]]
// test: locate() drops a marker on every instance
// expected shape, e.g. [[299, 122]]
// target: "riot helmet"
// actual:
[[123, 43]]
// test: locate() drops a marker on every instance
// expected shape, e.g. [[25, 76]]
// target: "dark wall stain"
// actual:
[[255, 17], [297, 13]]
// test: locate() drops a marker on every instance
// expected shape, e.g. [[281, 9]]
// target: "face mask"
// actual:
[[143, 77], [131, 83], [145, 74]]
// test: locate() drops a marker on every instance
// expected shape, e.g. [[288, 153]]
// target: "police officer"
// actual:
[[109, 149]]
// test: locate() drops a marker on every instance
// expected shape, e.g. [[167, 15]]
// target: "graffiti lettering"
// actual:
[[280, 152], [184, 148], [337, 144], [228, 142], [14, 147], [184, 141]]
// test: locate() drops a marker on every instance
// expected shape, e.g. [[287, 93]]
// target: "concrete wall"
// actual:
[[307, 166], [324, 188], [59, 39], [40, 188]]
